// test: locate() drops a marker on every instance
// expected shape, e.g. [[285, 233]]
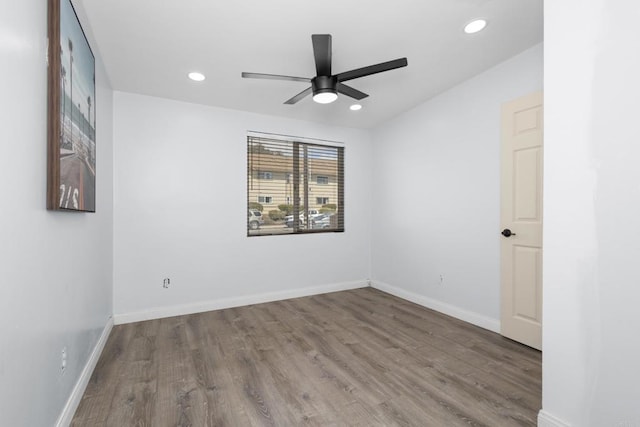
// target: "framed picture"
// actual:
[[71, 128]]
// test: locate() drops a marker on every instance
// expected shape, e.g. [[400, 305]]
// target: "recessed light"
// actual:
[[355, 107], [475, 26], [198, 77]]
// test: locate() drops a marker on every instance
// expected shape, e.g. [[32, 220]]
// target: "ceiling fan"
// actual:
[[325, 86]]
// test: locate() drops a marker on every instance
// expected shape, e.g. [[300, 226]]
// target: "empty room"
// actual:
[[441, 199]]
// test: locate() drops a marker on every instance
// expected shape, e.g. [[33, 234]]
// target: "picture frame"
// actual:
[[71, 115]]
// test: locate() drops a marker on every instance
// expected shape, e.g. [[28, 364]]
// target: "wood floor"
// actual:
[[360, 357]]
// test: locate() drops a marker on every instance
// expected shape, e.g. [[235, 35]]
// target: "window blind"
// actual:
[[294, 187]]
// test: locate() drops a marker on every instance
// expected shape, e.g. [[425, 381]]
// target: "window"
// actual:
[[288, 187]]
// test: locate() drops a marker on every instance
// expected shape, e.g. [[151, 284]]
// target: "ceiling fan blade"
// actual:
[[322, 53], [299, 96], [275, 77], [349, 91], [371, 69]]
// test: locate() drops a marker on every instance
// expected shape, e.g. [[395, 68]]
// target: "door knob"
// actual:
[[507, 233]]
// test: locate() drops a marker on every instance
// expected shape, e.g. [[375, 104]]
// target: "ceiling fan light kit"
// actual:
[[324, 89], [325, 97], [326, 86]]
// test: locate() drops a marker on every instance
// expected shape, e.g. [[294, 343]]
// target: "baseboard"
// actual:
[[199, 307], [78, 390], [450, 310], [545, 419]]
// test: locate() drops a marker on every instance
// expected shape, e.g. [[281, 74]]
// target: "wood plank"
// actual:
[[359, 357]]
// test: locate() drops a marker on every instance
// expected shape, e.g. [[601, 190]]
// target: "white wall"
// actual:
[[436, 193], [592, 213], [436, 212], [56, 267], [180, 212]]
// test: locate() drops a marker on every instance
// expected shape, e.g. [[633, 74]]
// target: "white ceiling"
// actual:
[[149, 46]]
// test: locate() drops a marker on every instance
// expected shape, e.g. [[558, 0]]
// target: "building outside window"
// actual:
[[322, 180], [265, 175], [322, 200]]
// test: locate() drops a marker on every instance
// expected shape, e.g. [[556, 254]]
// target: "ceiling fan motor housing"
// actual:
[[322, 84]]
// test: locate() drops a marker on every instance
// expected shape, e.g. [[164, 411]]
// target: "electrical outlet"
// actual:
[[441, 278], [166, 282], [63, 360]]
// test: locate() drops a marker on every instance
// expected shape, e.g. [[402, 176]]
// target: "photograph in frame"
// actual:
[[72, 113]]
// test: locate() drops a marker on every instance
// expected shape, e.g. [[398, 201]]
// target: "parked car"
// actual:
[[322, 221], [255, 219], [313, 213], [288, 220]]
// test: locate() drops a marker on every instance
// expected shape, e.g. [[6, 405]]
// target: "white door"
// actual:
[[521, 220]]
